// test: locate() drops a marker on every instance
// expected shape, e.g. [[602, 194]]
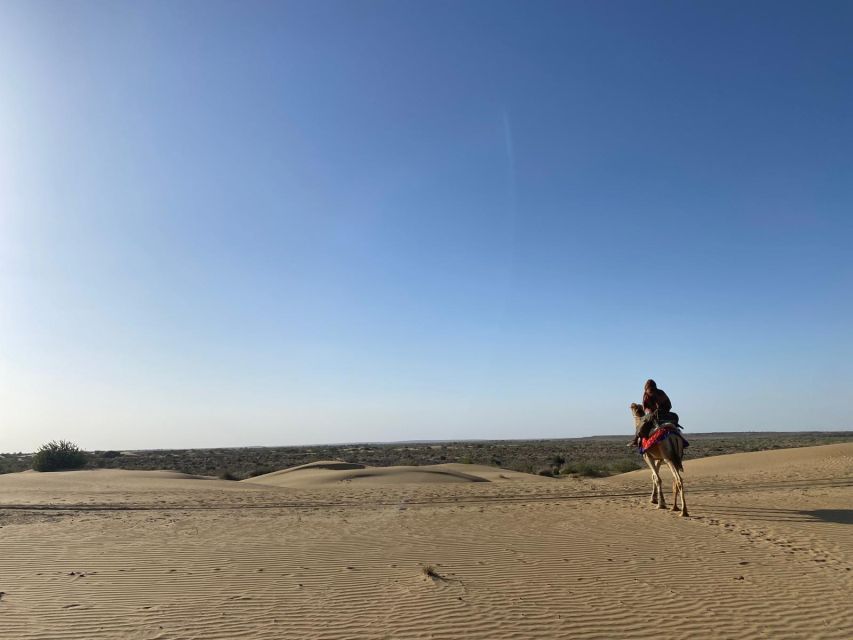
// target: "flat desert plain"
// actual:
[[334, 550]]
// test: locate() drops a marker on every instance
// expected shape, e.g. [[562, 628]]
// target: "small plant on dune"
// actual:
[[431, 572], [59, 455], [583, 469], [227, 475], [625, 465], [591, 471]]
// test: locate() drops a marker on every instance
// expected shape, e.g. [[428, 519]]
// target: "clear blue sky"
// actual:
[[277, 223]]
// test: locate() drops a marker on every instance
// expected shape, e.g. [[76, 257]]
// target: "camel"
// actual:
[[669, 450]]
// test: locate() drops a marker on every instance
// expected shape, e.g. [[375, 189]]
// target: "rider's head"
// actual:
[[650, 385]]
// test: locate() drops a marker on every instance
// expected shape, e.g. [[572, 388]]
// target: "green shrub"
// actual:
[[227, 475], [584, 469], [625, 465], [59, 455], [591, 471]]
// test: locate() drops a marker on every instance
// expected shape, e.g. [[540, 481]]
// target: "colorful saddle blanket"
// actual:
[[658, 435]]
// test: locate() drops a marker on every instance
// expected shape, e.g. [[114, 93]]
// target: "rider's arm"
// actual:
[[664, 403]]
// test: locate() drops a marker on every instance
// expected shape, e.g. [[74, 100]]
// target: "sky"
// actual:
[[276, 223]]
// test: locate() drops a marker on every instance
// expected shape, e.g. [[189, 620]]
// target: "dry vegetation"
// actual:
[[595, 456]]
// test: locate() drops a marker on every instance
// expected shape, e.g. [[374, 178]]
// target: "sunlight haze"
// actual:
[[230, 224]]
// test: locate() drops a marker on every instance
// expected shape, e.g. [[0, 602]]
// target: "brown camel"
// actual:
[[669, 450]]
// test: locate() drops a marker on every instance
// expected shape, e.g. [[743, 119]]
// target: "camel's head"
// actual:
[[637, 410]]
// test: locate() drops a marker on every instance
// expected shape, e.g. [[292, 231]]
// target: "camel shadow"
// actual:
[[835, 516], [838, 516]]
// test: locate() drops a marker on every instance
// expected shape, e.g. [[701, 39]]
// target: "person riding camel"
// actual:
[[658, 408]]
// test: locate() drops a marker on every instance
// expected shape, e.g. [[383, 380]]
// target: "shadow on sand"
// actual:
[[836, 516], [839, 516]]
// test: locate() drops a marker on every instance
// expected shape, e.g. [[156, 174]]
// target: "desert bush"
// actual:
[[227, 475], [603, 454], [548, 473], [59, 455], [625, 465], [591, 471], [584, 469], [431, 572]]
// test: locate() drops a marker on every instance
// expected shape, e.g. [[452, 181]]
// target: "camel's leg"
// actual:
[[661, 500], [654, 498], [655, 479], [654, 465], [677, 489]]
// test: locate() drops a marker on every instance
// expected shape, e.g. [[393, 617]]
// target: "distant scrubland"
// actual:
[[594, 456]]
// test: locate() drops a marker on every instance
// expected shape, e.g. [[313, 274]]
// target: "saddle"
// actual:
[[661, 433], [654, 422], [669, 419]]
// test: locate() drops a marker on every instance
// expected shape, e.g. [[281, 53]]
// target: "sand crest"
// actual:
[[324, 473]]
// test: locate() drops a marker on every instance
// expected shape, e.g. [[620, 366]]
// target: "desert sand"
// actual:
[[336, 550]]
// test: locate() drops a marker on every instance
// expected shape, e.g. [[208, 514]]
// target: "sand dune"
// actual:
[[111, 486], [831, 461], [331, 465], [767, 553], [325, 473], [831, 458]]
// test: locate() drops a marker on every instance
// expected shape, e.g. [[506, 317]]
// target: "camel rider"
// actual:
[[658, 409]]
